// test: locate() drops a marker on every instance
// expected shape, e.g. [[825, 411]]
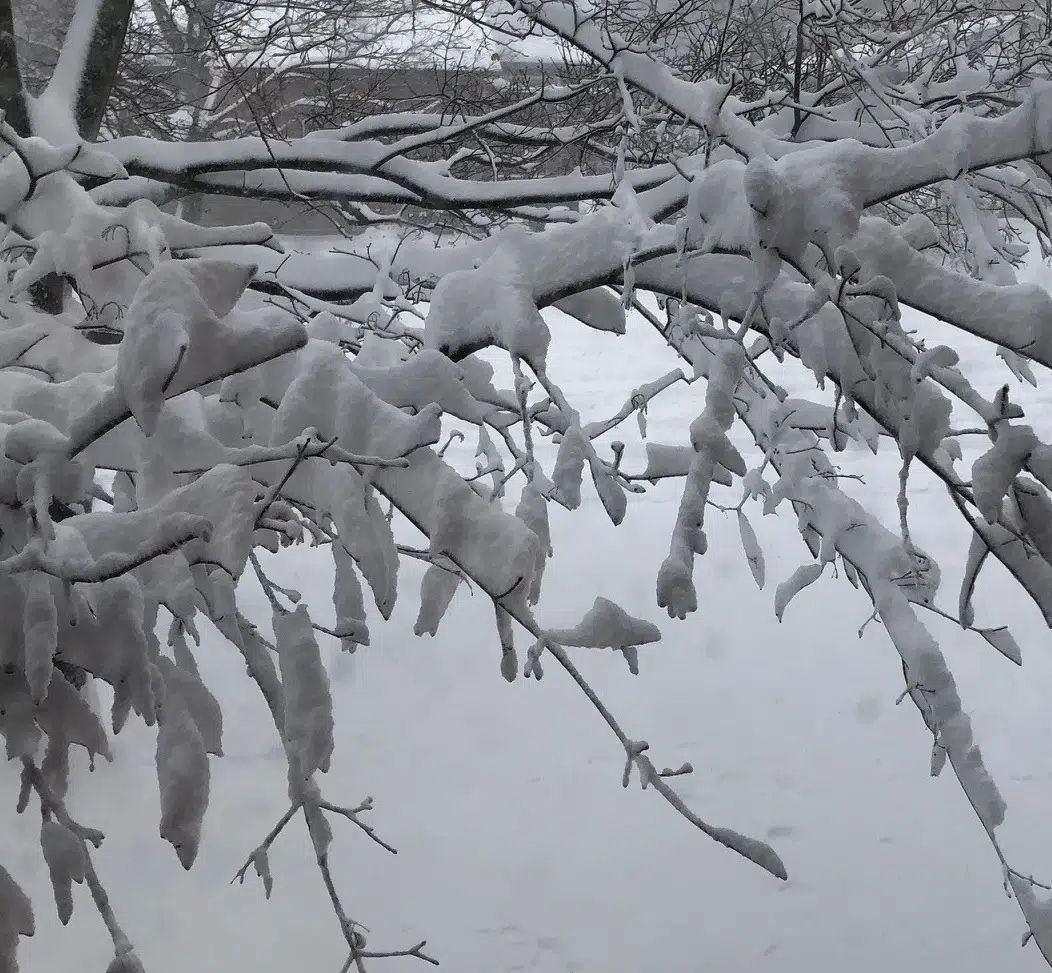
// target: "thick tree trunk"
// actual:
[[12, 91], [93, 92], [48, 294], [104, 58]]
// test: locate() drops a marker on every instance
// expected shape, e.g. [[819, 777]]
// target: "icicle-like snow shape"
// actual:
[[67, 715], [154, 345], [184, 656], [1036, 510], [994, 471], [1018, 365], [17, 725], [184, 777], [65, 857], [928, 422], [803, 576], [533, 512], [1033, 573], [978, 551], [185, 688], [39, 632], [509, 660], [16, 914], [436, 592], [712, 448], [122, 601], [367, 535], [174, 341], [1005, 643], [261, 668], [675, 581], [569, 466], [261, 863], [55, 766], [347, 600], [751, 546], [452, 500], [611, 493], [308, 702], [766, 194]]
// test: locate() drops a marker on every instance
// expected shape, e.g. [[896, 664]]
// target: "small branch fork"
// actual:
[[51, 806], [313, 810], [635, 753]]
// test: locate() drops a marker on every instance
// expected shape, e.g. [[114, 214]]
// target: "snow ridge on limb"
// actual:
[[885, 566], [712, 448], [867, 352], [493, 547]]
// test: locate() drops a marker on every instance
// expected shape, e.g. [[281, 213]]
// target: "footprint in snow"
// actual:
[[868, 709]]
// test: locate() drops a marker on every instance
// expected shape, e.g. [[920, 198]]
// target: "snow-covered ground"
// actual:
[[518, 848]]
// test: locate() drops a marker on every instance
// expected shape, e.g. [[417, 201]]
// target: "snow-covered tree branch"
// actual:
[[188, 397]]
